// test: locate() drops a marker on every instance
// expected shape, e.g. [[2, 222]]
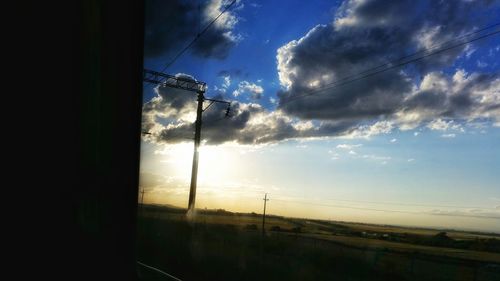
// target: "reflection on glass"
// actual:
[[345, 140]]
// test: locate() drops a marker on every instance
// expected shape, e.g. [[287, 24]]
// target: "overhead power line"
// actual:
[[390, 211], [410, 204], [398, 204], [196, 38], [435, 46], [291, 199], [343, 206], [389, 66], [199, 87], [288, 198]]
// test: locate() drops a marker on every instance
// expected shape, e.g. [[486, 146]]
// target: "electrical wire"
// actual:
[[397, 204], [340, 83], [197, 37], [389, 211]]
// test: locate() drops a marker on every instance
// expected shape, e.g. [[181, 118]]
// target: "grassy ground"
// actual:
[[221, 246]]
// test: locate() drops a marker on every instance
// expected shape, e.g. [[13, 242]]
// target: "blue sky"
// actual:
[[414, 146]]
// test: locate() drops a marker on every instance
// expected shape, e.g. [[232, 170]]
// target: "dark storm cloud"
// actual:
[[171, 24], [365, 34], [461, 96], [168, 118]]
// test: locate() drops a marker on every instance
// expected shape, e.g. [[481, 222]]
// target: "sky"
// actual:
[[359, 110]]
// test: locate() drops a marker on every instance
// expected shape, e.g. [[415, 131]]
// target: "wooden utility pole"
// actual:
[[188, 84], [197, 136], [142, 201], [264, 215], [142, 196]]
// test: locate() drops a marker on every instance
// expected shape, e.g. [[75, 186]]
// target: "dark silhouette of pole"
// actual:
[[142, 200], [264, 215], [188, 84], [197, 137]]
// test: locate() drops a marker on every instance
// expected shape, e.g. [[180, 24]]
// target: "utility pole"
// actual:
[[197, 137], [142, 201], [264, 215], [142, 196], [182, 83]]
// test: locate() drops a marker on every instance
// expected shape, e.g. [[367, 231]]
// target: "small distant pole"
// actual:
[[142, 199], [264, 215]]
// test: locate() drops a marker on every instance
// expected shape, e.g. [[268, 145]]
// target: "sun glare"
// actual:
[[214, 163]]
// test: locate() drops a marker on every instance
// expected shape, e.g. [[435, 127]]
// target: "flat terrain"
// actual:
[[220, 245], [409, 248]]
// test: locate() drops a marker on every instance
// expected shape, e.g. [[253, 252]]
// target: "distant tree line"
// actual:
[[441, 239]]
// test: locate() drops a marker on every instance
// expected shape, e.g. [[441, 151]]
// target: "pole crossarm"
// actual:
[[221, 101], [182, 83], [212, 101]]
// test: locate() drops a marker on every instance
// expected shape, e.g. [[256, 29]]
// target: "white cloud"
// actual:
[[393, 140], [377, 128], [443, 125], [474, 213], [348, 146], [439, 124], [255, 5], [448, 136], [378, 105], [227, 81], [255, 90], [376, 157], [411, 160], [226, 20], [469, 51], [448, 102], [334, 155], [481, 64], [216, 42], [324, 55]]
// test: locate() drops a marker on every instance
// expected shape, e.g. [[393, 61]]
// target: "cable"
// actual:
[[197, 37], [384, 70], [334, 84], [258, 194], [342, 206], [194, 40], [157, 270], [410, 204], [388, 211], [401, 204], [419, 52]]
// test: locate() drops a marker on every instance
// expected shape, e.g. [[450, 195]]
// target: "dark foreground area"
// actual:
[[208, 251]]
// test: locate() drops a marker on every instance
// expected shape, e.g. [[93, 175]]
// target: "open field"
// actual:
[[219, 245], [409, 248]]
